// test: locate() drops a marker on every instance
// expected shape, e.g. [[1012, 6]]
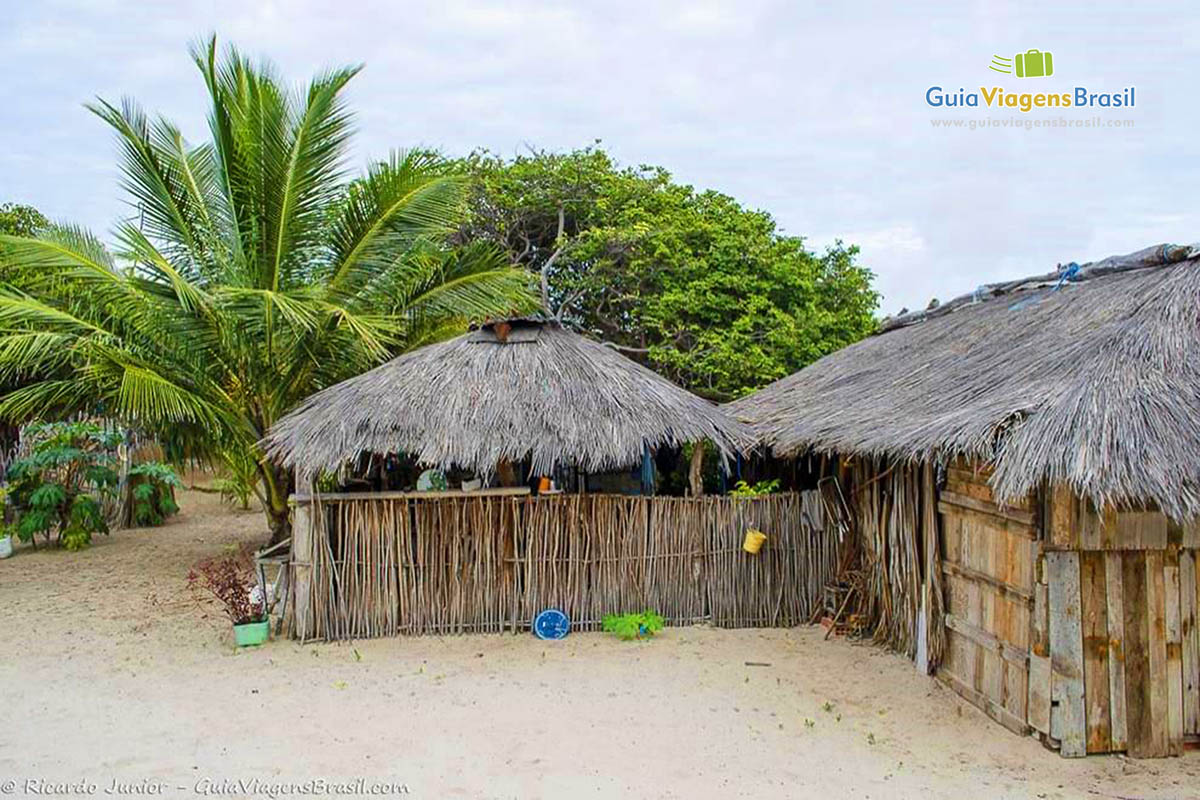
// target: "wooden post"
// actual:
[[696, 470], [301, 567], [928, 617]]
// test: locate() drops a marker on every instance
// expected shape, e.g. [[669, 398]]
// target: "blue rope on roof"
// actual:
[[1064, 275], [1070, 272]]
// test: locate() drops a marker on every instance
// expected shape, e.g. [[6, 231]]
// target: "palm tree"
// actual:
[[257, 273]]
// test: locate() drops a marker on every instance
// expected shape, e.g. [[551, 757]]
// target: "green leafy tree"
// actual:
[[21, 220], [705, 291], [259, 272]]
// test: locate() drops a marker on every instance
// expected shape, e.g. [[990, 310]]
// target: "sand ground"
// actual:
[[111, 672]]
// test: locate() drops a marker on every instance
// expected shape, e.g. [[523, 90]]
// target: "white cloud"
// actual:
[[813, 113]]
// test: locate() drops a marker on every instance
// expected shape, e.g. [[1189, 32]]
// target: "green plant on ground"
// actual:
[[152, 493], [57, 489], [261, 271], [743, 489], [633, 625]]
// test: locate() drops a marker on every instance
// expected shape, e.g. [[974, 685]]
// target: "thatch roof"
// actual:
[[506, 391], [1088, 375]]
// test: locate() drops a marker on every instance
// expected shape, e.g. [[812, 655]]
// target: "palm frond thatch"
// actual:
[[1091, 378], [473, 401]]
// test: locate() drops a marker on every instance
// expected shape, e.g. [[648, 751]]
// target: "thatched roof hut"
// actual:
[[508, 391], [1088, 375]]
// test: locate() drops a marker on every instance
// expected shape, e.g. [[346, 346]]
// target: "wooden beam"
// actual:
[[1115, 597], [301, 567], [1010, 653], [307, 499], [1093, 598], [1038, 709], [1174, 647], [1191, 642], [1025, 518], [1006, 589], [1147, 726], [1156, 606], [1067, 714], [989, 707], [1062, 530]]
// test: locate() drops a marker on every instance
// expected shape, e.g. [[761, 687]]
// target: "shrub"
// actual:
[[229, 578], [152, 493], [58, 488], [635, 625], [744, 489]]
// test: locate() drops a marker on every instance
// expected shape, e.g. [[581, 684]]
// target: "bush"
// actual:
[[58, 488], [633, 626], [744, 489], [152, 492]]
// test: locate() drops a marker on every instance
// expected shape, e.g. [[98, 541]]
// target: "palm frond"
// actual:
[[313, 175], [21, 312], [405, 199], [469, 283], [150, 262], [147, 396], [170, 210], [48, 399]]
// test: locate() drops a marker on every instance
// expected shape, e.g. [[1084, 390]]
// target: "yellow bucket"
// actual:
[[754, 541]]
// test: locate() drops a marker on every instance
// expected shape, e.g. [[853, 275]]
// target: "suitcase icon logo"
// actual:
[[1030, 64]]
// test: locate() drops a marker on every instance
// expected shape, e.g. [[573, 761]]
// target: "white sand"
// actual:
[[110, 671]]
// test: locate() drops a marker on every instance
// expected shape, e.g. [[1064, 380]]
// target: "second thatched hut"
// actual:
[[1022, 469]]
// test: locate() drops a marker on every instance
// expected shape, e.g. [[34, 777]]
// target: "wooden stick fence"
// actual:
[[382, 566]]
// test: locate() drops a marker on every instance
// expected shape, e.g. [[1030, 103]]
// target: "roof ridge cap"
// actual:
[[1159, 255]]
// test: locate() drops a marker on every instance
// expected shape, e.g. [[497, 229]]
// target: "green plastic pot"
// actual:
[[251, 634]]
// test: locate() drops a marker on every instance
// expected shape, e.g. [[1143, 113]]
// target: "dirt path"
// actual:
[[110, 671]]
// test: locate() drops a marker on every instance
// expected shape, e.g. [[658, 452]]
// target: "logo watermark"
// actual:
[[1058, 101], [1030, 64]]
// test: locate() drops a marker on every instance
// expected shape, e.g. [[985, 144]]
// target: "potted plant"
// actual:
[[230, 579]]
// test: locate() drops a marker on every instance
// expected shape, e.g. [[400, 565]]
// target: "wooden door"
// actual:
[[988, 558]]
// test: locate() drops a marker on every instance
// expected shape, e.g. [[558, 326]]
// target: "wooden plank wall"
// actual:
[[988, 568], [1121, 623]]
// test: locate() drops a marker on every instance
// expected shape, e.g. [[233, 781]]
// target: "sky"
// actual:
[[816, 113]]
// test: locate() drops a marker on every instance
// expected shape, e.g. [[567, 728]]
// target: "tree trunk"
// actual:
[[277, 482], [696, 469]]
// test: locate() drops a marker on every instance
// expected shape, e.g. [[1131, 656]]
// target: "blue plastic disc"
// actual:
[[551, 624]]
